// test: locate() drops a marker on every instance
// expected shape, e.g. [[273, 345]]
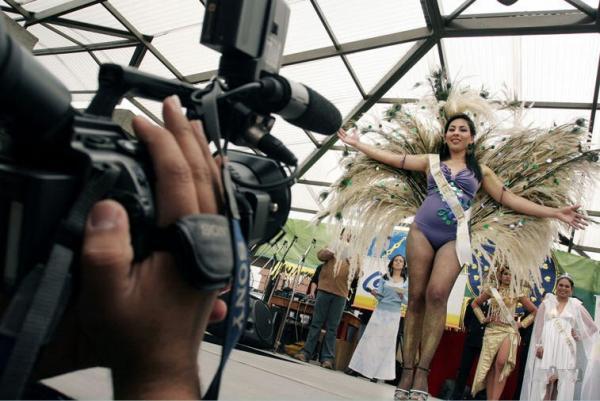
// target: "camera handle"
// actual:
[[39, 301]]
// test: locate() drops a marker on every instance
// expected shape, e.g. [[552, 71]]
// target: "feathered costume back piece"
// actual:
[[552, 167]]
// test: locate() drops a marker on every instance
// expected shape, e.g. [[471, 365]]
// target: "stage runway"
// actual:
[[248, 376]]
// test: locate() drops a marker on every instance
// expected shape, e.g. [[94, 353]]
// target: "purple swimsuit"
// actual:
[[435, 218]]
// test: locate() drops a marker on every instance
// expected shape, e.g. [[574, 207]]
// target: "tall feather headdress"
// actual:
[[552, 167]]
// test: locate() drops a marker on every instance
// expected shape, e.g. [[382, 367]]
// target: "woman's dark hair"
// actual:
[[566, 278], [387, 275], [471, 160]]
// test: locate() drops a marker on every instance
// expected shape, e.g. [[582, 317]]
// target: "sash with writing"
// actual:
[[463, 239], [504, 309]]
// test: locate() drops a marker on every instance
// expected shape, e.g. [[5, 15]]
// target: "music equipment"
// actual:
[[259, 326]]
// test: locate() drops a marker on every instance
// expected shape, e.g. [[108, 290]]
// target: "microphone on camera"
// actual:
[[298, 104], [257, 136]]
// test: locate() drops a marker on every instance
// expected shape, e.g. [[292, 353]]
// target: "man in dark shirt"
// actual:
[[472, 348]]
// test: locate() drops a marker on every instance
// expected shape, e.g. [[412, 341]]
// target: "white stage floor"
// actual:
[[248, 376]]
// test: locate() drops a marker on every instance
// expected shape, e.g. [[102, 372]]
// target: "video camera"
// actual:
[[55, 161], [50, 150]]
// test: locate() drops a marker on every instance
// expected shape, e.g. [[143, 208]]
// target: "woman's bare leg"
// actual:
[[419, 258], [499, 362], [443, 275], [489, 381], [551, 389]]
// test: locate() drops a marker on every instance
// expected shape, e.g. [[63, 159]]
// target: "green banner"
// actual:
[[586, 275], [305, 231]]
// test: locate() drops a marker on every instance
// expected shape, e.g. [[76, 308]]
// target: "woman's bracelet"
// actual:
[[528, 320], [402, 162], [479, 314]]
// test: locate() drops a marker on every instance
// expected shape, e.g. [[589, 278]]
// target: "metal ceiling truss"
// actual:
[[584, 19], [337, 47], [59, 10], [331, 51], [84, 26], [535, 104], [459, 10], [505, 24], [118, 44], [142, 39], [594, 105], [414, 54]]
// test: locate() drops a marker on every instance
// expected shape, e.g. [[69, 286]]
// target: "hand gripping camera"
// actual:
[[56, 162]]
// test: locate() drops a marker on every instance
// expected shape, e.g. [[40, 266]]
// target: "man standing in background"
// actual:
[[332, 292]]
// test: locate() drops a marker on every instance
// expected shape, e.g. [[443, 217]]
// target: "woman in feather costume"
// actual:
[[436, 174]]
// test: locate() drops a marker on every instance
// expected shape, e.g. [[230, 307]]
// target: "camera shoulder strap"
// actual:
[[237, 306], [44, 293]]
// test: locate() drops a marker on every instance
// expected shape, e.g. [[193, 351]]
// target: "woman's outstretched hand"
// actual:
[[349, 138], [572, 216]]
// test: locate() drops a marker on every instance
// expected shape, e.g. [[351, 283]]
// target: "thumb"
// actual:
[[106, 253]]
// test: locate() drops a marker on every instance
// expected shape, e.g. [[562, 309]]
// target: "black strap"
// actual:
[[202, 247], [237, 306], [53, 287]]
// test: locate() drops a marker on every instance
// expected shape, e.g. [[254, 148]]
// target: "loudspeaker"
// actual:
[[259, 331], [259, 326]]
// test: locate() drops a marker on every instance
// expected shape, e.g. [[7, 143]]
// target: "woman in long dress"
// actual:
[[554, 365], [374, 356], [501, 338], [590, 388]]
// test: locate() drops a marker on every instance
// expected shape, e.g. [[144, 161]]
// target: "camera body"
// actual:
[[50, 152]]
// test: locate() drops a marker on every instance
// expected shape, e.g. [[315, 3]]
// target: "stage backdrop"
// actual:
[[586, 272], [376, 265]]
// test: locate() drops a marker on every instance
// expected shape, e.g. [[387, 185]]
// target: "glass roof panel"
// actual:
[[596, 132], [305, 30], [546, 118], [294, 138], [346, 106], [329, 77], [153, 65], [78, 71], [153, 17], [183, 49], [405, 87], [559, 67], [490, 62], [327, 168], [87, 37], [115, 56], [490, 6], [81, 99], [302, 197], [353, 19], [48, 38], [371, 65], [41, 5], [97, 15], [152, 106]]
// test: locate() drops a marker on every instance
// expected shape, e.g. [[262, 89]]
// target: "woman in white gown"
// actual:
[[590, 388], [554, 365], [375, 354]]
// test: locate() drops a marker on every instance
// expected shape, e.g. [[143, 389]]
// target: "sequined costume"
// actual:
[[434, 218], [495, 333]]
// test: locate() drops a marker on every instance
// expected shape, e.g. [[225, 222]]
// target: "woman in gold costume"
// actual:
[[501, 337]]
